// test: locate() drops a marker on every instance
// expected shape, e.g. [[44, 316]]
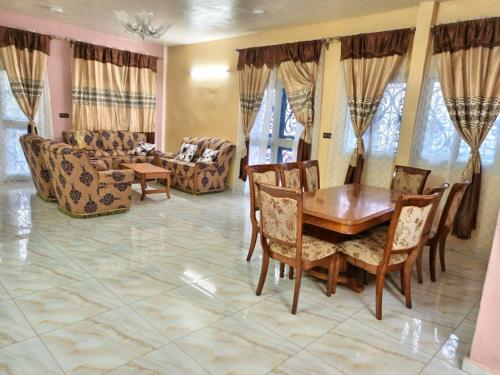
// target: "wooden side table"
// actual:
[[145, 171]]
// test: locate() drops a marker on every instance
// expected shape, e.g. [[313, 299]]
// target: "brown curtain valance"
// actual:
[[457, 36], [113, 56], [22, 39], [272, 56], [372, 45]]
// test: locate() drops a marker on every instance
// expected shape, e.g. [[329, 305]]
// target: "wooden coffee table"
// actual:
[[146, 171]]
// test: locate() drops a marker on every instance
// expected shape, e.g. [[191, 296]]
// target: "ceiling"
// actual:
[[202, 20]]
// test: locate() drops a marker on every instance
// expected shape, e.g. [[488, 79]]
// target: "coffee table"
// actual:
[[145, 171]]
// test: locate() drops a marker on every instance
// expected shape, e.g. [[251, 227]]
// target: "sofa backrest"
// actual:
[[204, 143], [103, 139]]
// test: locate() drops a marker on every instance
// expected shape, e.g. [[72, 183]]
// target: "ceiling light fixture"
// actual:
[[258, 12], [141, 24], [209, 72], [55, 9]]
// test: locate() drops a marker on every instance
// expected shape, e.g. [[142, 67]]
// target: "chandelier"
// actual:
[[141, 24]]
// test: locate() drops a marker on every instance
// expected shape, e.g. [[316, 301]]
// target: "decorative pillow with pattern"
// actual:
[[144, 148], [209, 155], [187, 151]]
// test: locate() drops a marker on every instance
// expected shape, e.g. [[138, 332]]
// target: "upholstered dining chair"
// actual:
[[409, 180], [429, 191], [310, 175], [442, 228], [290, 176], [282, 238], [263, 173], [381, 251]]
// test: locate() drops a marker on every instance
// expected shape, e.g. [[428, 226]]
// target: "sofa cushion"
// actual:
[[200, 142], [110, 140], [87, 140], [130, 140], [187, 152], [209, 155], [143, 148]]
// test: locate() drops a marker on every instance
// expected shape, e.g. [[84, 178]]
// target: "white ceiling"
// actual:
[[202, 20]]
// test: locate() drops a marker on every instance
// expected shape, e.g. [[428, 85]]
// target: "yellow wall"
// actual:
[[210, 107]]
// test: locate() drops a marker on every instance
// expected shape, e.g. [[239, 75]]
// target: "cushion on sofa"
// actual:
[[186, 152], [130, 140], [87, 140], [110, 140], [209, 155], [143, 148]]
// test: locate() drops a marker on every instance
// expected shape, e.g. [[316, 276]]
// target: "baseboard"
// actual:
[[474, 368]]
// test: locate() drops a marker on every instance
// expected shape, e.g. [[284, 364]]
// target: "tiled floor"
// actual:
[[165, 289]]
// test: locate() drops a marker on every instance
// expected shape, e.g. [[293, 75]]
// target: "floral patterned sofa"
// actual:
[[110, 147], [81, 190], [200, 177]]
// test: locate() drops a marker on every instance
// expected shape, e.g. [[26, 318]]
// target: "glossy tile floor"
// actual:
[[165, 289]]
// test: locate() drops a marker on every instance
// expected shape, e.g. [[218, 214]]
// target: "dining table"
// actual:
[[347, 210]]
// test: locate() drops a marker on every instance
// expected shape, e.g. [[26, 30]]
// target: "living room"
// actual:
[[231, 187]]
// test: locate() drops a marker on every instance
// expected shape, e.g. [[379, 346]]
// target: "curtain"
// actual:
[[24, 55], [113, 89], [254, 67], [369, 61], [468, 62]]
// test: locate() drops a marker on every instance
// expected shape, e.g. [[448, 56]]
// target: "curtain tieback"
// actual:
[[358, 151], [473, 164], [32, 127]]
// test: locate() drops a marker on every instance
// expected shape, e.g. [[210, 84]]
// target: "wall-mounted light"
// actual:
[[209, 72]]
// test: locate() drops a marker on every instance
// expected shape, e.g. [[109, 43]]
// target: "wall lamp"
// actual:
[[209, 72]]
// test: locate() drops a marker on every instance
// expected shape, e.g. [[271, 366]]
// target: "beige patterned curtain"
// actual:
[[468, 60], [24, 56], [369, 61], [113, 89]]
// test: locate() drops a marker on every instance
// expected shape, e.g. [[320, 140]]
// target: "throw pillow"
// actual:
[[187, 151], [209, 155], [144, 148]]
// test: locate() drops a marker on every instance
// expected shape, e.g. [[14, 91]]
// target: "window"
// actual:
[[442, 144], [383, 134]]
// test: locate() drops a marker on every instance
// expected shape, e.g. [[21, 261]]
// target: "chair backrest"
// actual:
[[440, 191], [281, 216], [409, 180], [410, 222], [263, 173], [290, 176], [310, 175], [451, 206]]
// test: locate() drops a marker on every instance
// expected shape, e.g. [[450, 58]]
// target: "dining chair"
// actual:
[[310, 175], [409, 180], [442, 228], [429, 191], [264, 173], [381, 251], [290, 176], [282, 238]]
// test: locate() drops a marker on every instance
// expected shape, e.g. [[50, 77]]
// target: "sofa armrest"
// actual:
[[125, 176]]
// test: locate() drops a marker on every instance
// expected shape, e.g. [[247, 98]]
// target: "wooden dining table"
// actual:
[[348, 210]]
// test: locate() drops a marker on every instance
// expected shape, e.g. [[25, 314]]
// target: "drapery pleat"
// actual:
[[113, 89], [24, 55], [468, 61], [369, 61]]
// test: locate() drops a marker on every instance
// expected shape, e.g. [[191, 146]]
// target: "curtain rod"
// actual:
[[326, 41], [72, 41]]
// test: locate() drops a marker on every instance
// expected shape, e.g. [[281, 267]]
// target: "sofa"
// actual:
[[200, 177], [81, 190], [110, 147]]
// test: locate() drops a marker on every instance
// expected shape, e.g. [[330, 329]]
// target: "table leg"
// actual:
[[167, 185], [143, 186]]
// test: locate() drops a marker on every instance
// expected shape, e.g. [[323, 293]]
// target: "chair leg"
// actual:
[[290, 273], [298, 279], [336, 270], [331, 270], [407, 286], [263, 273], [432, 261], [378, 295], [419, 269], [282, 270], [365, 278], [442, 248], [401, 276], [252, 243]]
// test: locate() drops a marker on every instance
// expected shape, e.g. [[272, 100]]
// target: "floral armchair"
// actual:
[[200, 177], [31, 145], [81, 191]]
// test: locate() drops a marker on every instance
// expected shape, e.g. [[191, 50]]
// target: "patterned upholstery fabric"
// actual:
[[312, 174], [407, 183], [200, 177], [292, 179], [279, 217], [268, 178], [410, 226], [369, 247], [130, 140], [81, 191], [31, 145], [312, 248]]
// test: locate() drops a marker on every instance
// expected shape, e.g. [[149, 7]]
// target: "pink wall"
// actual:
[[485, 351], [59, 62]]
